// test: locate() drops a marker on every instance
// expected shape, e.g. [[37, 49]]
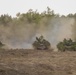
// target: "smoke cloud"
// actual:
[[23, 35], [61, 28]]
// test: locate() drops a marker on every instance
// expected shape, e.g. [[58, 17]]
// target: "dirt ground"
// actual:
[[37, 62]]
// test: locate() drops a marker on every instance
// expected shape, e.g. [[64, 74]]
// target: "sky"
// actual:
[[12, 7]]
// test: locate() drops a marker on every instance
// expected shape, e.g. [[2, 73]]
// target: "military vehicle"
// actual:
[[41, 43], [1, 45], [67, 45]]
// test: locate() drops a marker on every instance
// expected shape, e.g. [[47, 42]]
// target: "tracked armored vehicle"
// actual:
[[67, 45], [41, 44], [1, 44]]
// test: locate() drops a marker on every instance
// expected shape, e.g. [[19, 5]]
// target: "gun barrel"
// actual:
[[38, 39]]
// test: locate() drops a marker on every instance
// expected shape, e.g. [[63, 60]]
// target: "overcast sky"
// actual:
[[12, 7]]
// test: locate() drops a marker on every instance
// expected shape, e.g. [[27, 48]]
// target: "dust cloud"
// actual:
[[23, 35]]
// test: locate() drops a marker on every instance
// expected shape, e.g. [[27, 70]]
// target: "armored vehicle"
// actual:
[[41, 44], [1, 45], [67, 45]]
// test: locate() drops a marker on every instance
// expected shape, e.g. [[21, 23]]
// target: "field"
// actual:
[[37, 62]]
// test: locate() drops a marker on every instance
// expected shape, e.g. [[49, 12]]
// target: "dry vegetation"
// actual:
[[37, 62], [19, 32]]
